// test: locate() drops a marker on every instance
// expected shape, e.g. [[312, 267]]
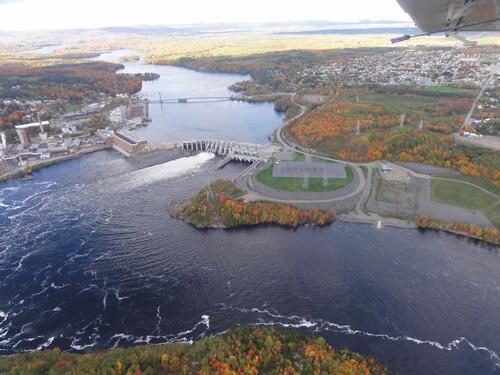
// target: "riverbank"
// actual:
[[23, 172], [242, 350], [484, 234], [221, 205]]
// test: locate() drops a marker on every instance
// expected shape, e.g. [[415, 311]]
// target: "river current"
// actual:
[[90, 259]]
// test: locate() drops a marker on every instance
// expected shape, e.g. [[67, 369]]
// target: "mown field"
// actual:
[[463, 195]]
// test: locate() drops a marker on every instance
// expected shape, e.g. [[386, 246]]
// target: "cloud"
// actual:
[[9, 1]]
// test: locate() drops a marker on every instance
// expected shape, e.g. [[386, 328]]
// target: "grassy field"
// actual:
[[391, 100], [485, 184], [447, 90], [298, 157], [467, 196], [265, 176]]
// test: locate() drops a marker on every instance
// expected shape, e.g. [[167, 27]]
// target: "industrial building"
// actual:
[[22, 131], [126, 143]]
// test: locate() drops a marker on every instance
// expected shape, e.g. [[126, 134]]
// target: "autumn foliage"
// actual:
[[70, 82], [240, 351], [488, 234], [222, 207], [331, 130]]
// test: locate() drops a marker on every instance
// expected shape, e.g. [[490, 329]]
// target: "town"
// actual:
[[43, 132], [90, 128], [202, 188], [410, 67]]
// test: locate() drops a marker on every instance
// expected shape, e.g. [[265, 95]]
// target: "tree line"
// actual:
[[73, 83], [488, 234], [221, 205], [332, 129], [240, 351]]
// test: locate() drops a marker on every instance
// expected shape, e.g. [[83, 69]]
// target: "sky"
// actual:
[[71, 14]]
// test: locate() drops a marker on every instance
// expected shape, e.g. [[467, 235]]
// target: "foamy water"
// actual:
[[90, 259], [166, 170]]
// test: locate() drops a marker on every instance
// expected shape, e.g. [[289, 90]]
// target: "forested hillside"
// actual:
[[71, 82]]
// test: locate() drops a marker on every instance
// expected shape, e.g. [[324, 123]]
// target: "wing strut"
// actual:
[[448, 31]]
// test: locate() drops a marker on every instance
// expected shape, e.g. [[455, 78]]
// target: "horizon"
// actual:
[[207, 27], [23, 15]]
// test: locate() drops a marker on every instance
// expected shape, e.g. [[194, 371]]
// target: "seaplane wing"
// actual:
[[464, 15]]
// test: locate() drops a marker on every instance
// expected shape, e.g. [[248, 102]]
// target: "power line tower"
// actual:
[[401, 124], [305, 184], [325, 178], [147, 110], [421, 126], [358, 128], [210, 195]]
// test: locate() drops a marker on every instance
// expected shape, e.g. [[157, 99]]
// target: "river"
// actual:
[[89, 259], [229, 120]]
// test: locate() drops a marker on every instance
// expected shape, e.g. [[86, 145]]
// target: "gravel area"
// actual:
[[428, 169], [445, 211]]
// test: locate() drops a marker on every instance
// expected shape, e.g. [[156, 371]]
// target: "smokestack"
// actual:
[[4, 140], [39, 122]]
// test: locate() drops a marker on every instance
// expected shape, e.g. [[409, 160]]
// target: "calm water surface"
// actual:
[[89, 259], [235, 121]]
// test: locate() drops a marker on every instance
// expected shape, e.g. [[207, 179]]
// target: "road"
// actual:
[[288, 146], [364, 187], [487, 82]]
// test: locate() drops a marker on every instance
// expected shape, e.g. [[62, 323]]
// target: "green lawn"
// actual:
[[71, 107], [297, 156], [392, 100], [265, 176], [462, 195], [484, 183], [447, 90]]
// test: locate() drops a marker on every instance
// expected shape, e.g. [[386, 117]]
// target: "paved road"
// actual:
[[289, 146], [364, 186], [487, 82]]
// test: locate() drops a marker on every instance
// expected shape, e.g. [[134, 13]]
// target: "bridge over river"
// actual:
[[210, 99], [200, 99]]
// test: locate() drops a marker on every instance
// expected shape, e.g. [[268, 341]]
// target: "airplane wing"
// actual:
[[439, 15]]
